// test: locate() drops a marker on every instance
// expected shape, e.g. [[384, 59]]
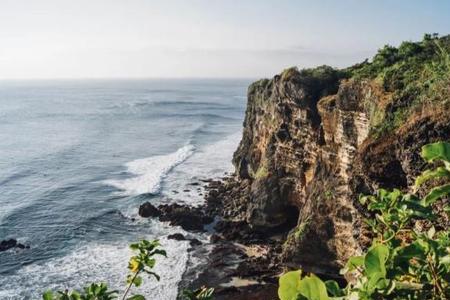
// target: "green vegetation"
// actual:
[[403, 261], [263, 170], [92, 292], [299, 232], [289, 73], [416, 73], [323, 80], [199, 294], [142, 262]]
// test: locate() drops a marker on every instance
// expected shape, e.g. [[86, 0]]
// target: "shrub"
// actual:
[[403, 262], [142, 262], [202, 293]]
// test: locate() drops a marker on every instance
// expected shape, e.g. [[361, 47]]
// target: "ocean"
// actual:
[[78, 157]]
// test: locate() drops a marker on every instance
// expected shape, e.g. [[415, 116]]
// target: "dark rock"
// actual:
[[10, 244], [179, 237], [189, 218], [176, 236], [147, 210], [7, 244], [215, 238], [194, 242]]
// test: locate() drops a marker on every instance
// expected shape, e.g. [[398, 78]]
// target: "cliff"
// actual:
[[315, 139]]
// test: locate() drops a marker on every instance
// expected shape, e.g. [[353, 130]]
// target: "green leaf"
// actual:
[[159, 252], [432, 174], [204, 294], [419, 210], [414, 250], [313, 288], [439, 150], [48, 295], [134, 246], [447, 209], [150, 262], [75, 296], [375, 280], [137, 281], [289, 285], [153, 274], [136, 297], [375, 260], [445, 260], [352, 263], [436, 193], [333, 288], [431, 232]]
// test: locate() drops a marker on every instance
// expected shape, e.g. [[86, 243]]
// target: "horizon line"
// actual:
[[130, 78]]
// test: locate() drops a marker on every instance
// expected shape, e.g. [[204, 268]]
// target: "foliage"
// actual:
[[417, 74], [92, 292], [321, 81], [202, 293], [403, 262], [143, 261], [263, 170]]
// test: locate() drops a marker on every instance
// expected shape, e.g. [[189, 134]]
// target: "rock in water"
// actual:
[[189, 218], [177, 237], [11, 243], [147, 210]]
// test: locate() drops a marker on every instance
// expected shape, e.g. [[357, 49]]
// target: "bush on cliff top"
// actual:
[[416, 73]]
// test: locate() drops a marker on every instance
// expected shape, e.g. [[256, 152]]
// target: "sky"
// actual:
[[59, 39]]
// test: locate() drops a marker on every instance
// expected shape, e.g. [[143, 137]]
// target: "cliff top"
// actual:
[[415, 75]]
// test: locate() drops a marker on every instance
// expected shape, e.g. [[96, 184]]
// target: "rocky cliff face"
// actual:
[[308, 150], [313, 141]]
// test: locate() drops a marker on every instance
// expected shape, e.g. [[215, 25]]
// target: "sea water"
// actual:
[[78, 157]]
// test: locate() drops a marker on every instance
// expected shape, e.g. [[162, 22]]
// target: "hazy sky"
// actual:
[[145, 38]]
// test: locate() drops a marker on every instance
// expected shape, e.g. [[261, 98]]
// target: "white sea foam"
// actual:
[[99, 262], [211, 161], [150, 171]]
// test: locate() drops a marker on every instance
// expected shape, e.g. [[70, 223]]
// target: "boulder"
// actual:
[[10, 244], [177, 237], [147, 210], [189, 218]]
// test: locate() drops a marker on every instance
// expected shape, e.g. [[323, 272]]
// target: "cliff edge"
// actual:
[[315, 139]]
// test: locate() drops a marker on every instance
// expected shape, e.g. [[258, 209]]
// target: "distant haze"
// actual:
[[210, 38]]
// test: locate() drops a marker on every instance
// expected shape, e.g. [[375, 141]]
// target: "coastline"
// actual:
[[238, 261]]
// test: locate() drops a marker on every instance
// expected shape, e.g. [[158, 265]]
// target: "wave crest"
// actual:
[[149, 172]]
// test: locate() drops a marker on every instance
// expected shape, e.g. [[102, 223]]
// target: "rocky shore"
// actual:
[[242, 263]]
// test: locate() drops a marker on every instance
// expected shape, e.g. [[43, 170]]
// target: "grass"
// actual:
[[416, 73], [263, 170]]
